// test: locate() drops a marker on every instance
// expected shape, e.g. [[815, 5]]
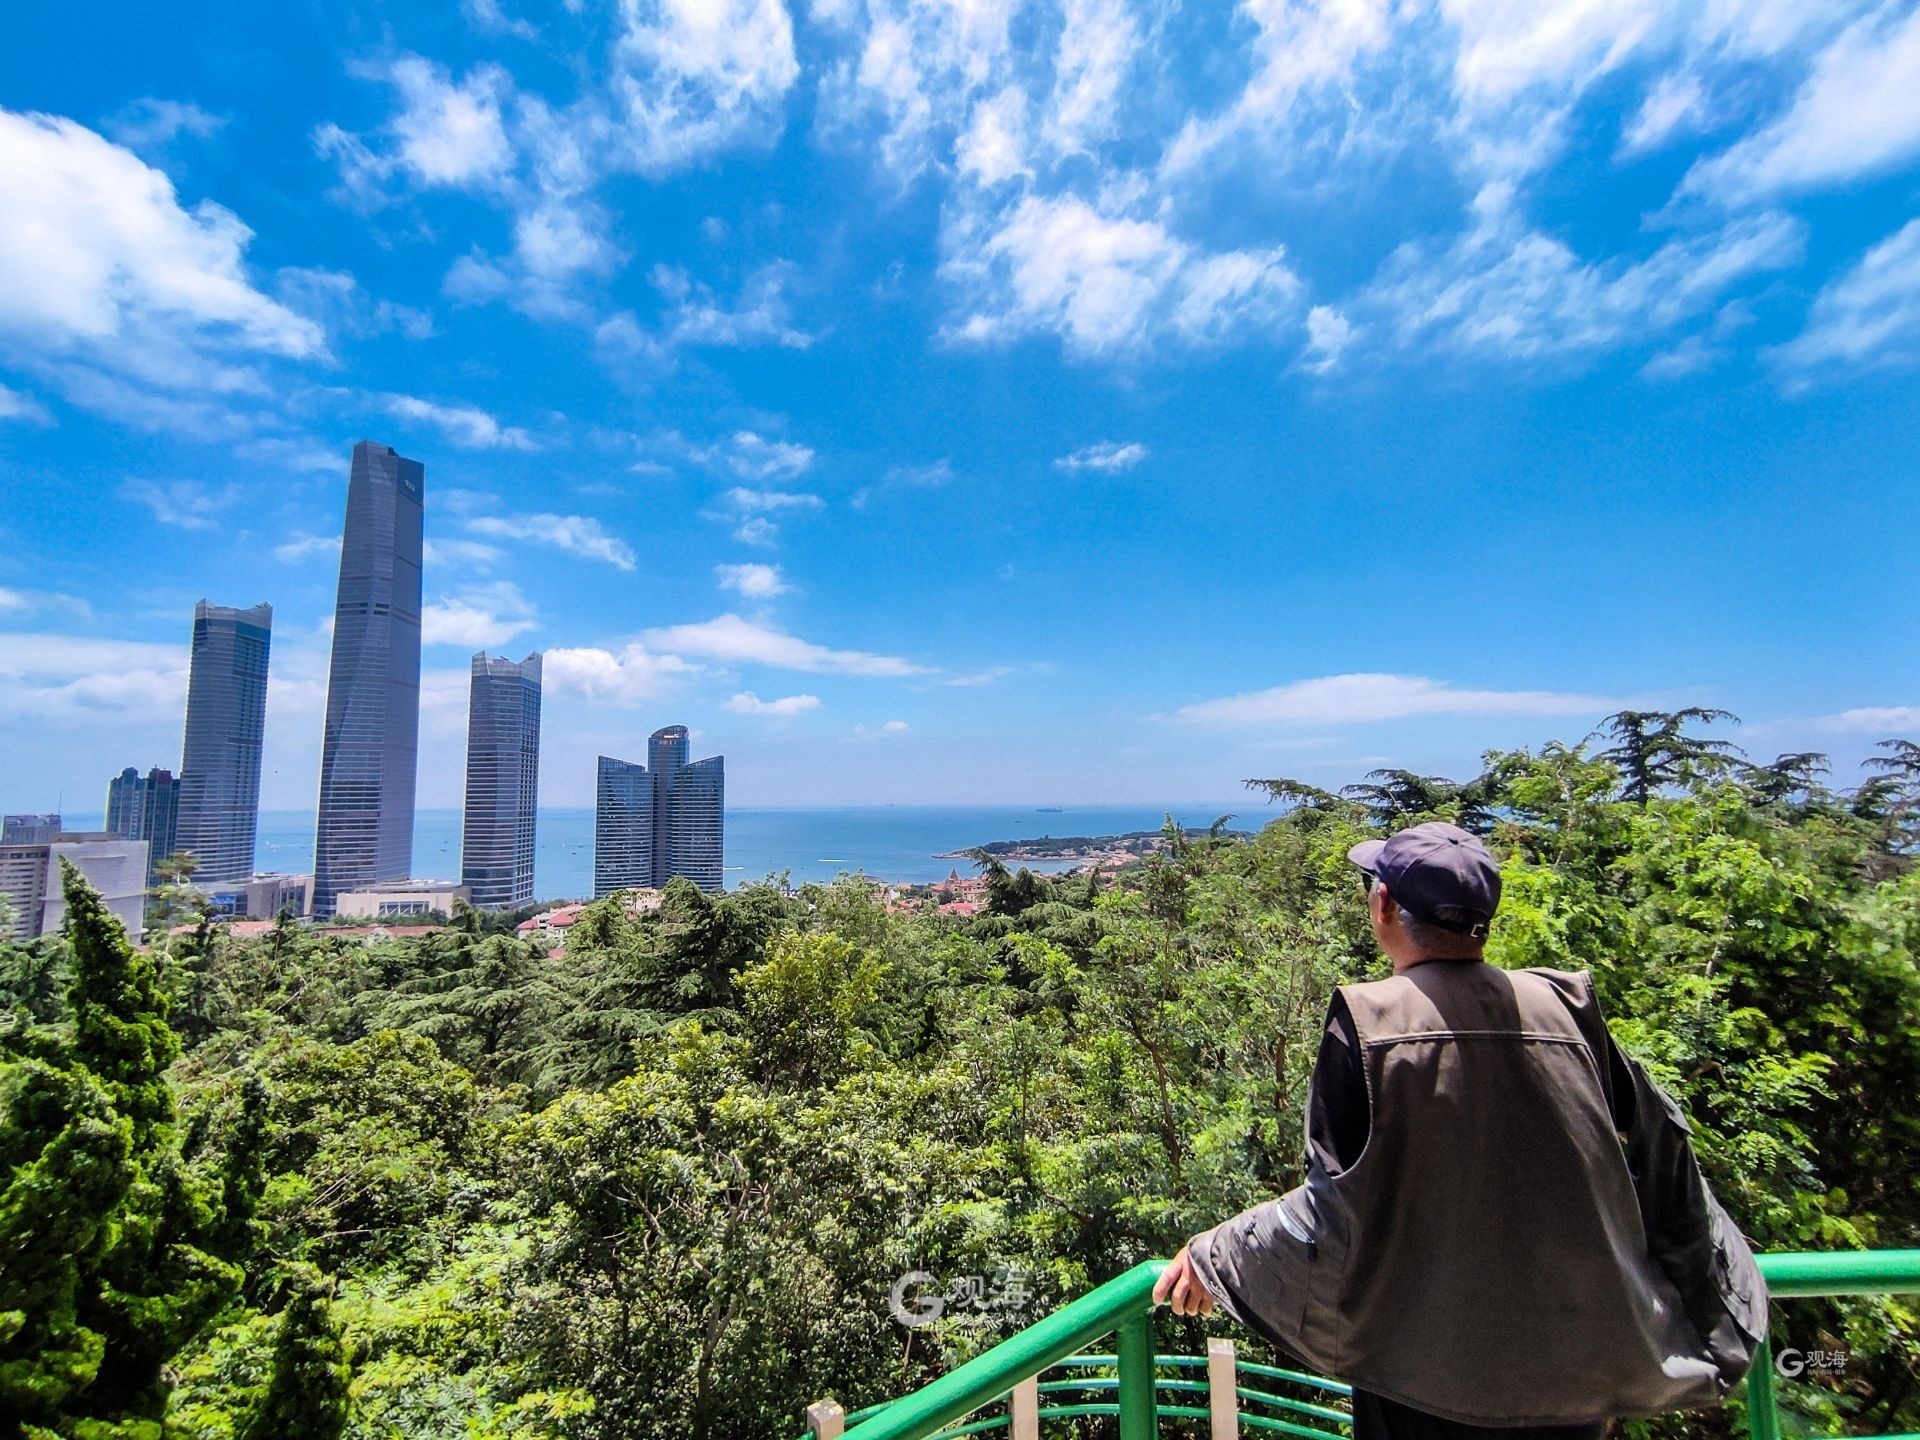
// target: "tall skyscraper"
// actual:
[[146, 807], [695, 844], [622, 828], [667, 751], [660, 821], [371, 743], [503, 781], [220, 758]]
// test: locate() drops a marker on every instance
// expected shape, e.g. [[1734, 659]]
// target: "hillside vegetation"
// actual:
[[307, 1186]]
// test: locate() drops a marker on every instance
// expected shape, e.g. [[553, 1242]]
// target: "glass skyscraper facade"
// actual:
[[146, 807], [371, 743], [220, 756], [662, 820], [503, 780], [622, 828]]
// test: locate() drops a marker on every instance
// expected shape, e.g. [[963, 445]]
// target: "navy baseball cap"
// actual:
[[1438, 873]]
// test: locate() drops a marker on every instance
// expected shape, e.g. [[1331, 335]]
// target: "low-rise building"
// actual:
[[394, 898], [263, 897], [31, 883]]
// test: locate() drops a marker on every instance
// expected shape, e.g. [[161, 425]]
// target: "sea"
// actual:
[[890, 842], [900, 843]]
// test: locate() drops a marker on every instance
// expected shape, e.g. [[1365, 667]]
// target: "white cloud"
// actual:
[[284, 453], [580, 535], [754, 581], [16, 406], [185, 503], [1868, 316], [697, 76], [1507, 289], [731, 639], [760, 315], [1855, 115], [475, 553], [61, 676], [478, 617], [1675, 106], [1363, 698], [28, 602], [298, 547], [1328, 333], [1105, 456], [754, 457], [465, 425], [748, 703], [633, 675], [488, 18], [446, 134], [1098, 42], [336, 301], [896, 727], [976, 678], [744, 499], [1874, 719], [1107, 282], [756, 530], [122, 299], [149, 125]]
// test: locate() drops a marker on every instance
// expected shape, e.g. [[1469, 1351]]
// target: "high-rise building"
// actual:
[[503, 781], [220, 757], [660, 821], [146, 807], [35, 829], [695, 844], [371, 743], [622, 828], [667, 751]]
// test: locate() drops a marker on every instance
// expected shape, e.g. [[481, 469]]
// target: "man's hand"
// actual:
[[1181, 1289]]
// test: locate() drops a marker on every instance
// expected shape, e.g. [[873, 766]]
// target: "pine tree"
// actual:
[[306, 1396], [152, 1286]]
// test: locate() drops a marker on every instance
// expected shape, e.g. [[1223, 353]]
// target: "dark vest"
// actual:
[[1500, 1254]]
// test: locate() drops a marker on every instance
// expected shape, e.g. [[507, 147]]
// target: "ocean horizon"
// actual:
[[899, 843]]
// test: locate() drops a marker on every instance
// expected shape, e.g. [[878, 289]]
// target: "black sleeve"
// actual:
[[1338, 1114]]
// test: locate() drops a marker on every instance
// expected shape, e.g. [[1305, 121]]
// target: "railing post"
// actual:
[[1223, 1399], [826, 1420], [1023, 1410], [1139, 1410], [1763, 1413]]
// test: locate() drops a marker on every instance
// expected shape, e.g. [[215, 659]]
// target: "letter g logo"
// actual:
[[924, 1309], [1790, 1364]]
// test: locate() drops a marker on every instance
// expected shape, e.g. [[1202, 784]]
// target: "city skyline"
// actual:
[[369, 757], [1086, 405]]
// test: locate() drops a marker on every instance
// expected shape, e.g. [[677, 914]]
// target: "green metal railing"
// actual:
[[1123, 1307]]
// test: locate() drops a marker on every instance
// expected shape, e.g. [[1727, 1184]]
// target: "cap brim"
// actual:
[[1367, 854]]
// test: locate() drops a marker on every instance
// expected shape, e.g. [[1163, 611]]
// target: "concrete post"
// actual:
[[826, 1420], [1023, 1410], [1221, 1399]]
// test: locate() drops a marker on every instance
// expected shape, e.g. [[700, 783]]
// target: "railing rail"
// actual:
[[1123, 1307]]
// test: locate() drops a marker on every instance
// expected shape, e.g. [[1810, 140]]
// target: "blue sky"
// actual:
[[984, 401]]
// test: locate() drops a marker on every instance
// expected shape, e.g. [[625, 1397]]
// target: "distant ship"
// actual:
[[1049, 810]]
